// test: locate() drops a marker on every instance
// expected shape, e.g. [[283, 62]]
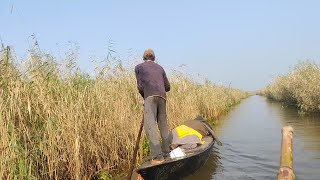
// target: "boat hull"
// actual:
[[178, 168]]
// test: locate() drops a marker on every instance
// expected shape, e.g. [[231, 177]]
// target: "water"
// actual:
[[251, 134]]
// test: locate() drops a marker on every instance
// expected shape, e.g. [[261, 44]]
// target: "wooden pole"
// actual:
[[286, 161], [134, 156]]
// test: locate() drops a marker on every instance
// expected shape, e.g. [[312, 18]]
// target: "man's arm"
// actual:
[[139, 82], [166, 82]]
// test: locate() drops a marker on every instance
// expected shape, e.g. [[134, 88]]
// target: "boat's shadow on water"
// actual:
[[209, 169]]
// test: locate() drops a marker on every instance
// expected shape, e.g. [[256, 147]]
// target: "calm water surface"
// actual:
[[251, 134]]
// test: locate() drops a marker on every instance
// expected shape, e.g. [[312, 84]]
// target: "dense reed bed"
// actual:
[[300, 87], [60, 123]]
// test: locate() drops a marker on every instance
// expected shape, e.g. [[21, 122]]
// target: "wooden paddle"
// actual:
[[134, 158]]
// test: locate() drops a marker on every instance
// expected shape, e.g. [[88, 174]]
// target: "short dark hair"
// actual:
[[149, 55]]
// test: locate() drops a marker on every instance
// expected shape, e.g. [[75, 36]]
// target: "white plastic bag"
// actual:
[[176, 153]]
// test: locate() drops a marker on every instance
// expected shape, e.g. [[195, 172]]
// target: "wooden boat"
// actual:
[[178, 168]]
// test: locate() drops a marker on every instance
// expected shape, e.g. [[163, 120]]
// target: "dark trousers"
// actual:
[[155, 113]]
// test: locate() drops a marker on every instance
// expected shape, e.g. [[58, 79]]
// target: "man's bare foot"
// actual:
[[159, 159], [155, 161]]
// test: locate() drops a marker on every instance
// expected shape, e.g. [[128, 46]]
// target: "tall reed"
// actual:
[[300, 87], [61, 123]]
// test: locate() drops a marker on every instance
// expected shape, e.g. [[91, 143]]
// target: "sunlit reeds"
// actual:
[[61, 123], [300, 87]]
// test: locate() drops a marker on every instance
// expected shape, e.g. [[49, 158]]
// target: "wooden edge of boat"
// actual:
[[208, 144]]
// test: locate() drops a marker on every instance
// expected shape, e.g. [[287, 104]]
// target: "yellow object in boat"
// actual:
[[184, 131]]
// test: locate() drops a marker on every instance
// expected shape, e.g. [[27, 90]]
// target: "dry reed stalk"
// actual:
[[300, 87]]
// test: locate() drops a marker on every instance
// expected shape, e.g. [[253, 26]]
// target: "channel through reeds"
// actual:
[[60, 123]]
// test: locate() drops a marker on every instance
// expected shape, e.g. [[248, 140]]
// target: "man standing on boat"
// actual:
[[153, 85]]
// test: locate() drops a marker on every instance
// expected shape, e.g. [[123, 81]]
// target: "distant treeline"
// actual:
[[57, 122], [300, 87]]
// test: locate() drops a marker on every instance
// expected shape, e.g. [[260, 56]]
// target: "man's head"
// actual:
[[149, 55]]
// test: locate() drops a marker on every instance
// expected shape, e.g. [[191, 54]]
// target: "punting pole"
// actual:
[[286, 160]]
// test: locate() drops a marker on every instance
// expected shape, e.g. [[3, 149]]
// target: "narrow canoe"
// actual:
[[179, 167]]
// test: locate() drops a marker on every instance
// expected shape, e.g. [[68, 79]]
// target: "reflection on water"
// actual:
[[212, 163], [251, 134]]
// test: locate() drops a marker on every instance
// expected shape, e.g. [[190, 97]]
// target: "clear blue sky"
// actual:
[[242, 43]]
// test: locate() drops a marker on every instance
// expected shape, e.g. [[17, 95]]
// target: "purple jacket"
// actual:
[[151, 79]]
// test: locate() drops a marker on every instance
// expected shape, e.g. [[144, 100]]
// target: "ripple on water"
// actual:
[[251, 136]]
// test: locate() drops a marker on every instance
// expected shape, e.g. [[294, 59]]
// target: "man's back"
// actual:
[[151, 79]]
